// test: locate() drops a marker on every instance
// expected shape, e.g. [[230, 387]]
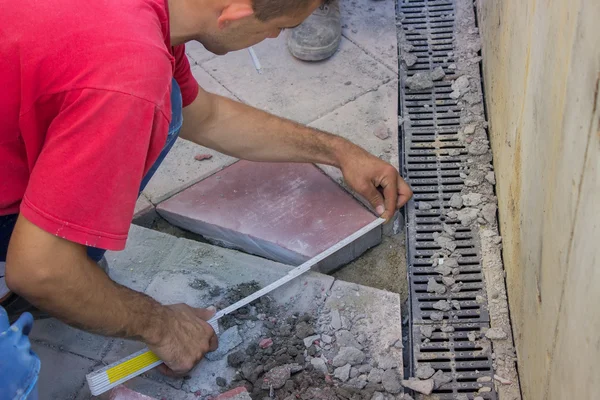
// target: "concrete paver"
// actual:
[[62, 374], [284, 212], [295, 89]]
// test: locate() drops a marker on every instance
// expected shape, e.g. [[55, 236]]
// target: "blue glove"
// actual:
[[19, 365]]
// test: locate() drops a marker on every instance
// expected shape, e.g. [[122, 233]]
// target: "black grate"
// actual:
[[434, 162]]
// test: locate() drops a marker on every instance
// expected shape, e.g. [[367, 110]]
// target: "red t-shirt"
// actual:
[[85, 110]]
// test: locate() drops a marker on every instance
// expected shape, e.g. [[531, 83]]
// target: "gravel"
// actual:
[[348, 355]]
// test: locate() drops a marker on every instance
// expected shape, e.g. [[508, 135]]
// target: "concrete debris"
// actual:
[[228, 341], [391, 381], [502, 380], [462, 396], [441, 305], [375, 375], [304, 330], [365, 369], [436, 316], [472, 336], [448, 281], [450, 262], [484, 389], [443, 270], [456, 201], [437, 74], [422, 386], [319, 365], [354, 372], [478, 147], [484, 379], [424, 206], [309, 341], [452, 66], [378, 396], [457, 287], [336, 320], [387, 362], [348, 355], [447, 328], [491, 177], [461, 84], [424, 371], [455, 304], [440, 378], [469, 129], [426, 330], [496, 334], [409, 59], [202, 157], [446, 243], [265, 343], [344, 338], [342, 373], [489, 212], [452, 214], [381, 132], [467, 216], [449, 230], [236, 359], [434, 287], [472, 199], [478, 398], [420, 81]]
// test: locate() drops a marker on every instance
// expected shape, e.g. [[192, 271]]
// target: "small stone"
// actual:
[[265, 343], [344, 338], [409, 59], [455, 304], [477, 148], [472, 336], [202, 157], [446, 243], [348, 355], [228, 340], [461, 84], [310, 340], [426, 330], [491, 177], [455, 201], [304, 330], [496, 334], [441, 305], [484, 389], [388, 362], [439, 379], [478, 398], [447, 328], [437, 74], [448, 281], [375, 375], [326, 339], [469, 129], [436, 316], [452, 66], [365, 369], [419, 81], [378, 396], [391, 381], [472, 199], [221, 382], [489, 212], [319, 365], [236, 359], [457, 287], [424, 206], [381, 132], [276, 377], [336, 320], [467, 216], [443, 269], [342, 373], [424, 371], [356, 383], [354, 372], [455, 94], [434, 287], [424, 387], [450, 262]]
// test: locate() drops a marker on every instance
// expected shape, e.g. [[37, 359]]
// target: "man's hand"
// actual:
[[187, 337], [370, 177]]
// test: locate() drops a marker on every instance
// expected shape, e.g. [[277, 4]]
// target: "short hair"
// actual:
[[265, 10]]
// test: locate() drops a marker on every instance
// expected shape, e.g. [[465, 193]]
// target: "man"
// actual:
[[92, 101]]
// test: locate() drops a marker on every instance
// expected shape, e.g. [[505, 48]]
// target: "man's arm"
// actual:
[[56, 275], [245, 132]]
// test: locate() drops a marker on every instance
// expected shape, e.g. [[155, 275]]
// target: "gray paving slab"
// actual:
[[197, 53], [295, 89], [372, 26], [66, 338], [62, 374]]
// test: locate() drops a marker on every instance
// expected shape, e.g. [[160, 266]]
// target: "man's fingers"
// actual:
[[390, 196], [213, 343], [404, 192], [205, 313], [370, 192], [163, 369]]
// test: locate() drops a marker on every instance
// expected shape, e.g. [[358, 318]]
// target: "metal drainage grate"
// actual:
[[433, 160]]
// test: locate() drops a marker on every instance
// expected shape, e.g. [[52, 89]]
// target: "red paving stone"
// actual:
[[239, 393], [282, 211], [123, 393]]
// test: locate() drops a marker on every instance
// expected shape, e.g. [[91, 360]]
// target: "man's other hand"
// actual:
[[371, 177], [186, 338]]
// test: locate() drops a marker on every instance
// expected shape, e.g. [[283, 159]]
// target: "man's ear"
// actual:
[[236, 10]]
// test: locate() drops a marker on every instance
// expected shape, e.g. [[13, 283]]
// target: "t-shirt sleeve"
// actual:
[[183, 76], [84, 185]]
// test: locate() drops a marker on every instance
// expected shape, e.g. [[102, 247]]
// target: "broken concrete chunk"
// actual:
[[336, 320], [457, 287], [489, 212], [478, 398], [440, 378], [469, 129], [434, 287], [436, 316], [441, 305], [310, 340], [381, 132], [375, 375], [472, 199], [443, 270], [342, 373], [391, 381], [491, 177], [344, 338], [426, 330], [409, 59], [348, 355], [449, 230], [419, 81], [448, 281], [496, 334], [276, 377], [455, 201], [365, 369], [319, 365], [467, 216], [424, 387], [478, 148], [424, 206], [446, 243], [455, 304], [354, 372], [437, 74], [388, 362], [462, 396], [461, 84], [455, 94], [452, 214], [424, 371], [228, 341], [447, 328]]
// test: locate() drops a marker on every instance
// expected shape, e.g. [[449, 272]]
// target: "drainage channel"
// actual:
[[434, 162]]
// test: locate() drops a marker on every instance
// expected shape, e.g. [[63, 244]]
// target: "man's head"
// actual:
[[228, 25]]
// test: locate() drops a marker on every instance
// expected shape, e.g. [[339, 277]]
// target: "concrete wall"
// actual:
[[542, 79]]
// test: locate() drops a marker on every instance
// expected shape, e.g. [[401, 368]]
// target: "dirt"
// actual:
[[383, 267]]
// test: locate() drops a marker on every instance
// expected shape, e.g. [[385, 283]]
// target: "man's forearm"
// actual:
[[245, 132], [71, 287]]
